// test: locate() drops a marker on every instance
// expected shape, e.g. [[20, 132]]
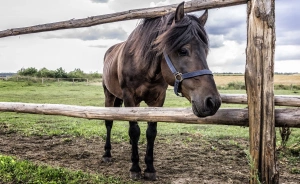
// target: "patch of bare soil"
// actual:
[[178, 159]]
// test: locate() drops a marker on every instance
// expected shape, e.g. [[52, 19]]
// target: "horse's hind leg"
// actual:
[[110, 100]]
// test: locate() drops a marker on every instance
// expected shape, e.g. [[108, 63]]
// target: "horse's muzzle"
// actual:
[[208, 107]]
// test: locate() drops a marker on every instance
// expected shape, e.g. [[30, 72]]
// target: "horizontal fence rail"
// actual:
[[239, 117], [190, 6], [279, 100]]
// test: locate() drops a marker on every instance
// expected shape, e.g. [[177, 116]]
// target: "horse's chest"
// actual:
[[149, 90]]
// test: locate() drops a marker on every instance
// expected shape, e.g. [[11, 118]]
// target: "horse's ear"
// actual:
[[179, 14], [203, 18]]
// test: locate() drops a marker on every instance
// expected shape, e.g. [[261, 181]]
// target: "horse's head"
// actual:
[[184, 44]]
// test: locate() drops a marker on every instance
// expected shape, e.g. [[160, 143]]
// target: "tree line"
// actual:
[[58, 73]]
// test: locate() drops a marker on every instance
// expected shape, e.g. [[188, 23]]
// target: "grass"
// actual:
[[92, 95], [81, 94], [62, 93], [251, 162], [21, 171]]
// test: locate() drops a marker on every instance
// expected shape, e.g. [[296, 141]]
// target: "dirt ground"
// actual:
[[178, 158]]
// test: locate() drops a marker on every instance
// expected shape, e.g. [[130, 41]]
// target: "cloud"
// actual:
[[93, 33], [288, 37], [230, 57], [229, 22], [226, 28], [216, 41], [286, 22], [163, 3], [287, 15], [287, 66], [100, 46], [99, 1], [287, 52], [131, 4], [127, 5]]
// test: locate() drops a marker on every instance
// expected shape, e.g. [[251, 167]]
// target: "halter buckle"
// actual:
[[178, 76]]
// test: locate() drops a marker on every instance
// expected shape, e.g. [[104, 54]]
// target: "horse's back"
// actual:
[[110, 69]]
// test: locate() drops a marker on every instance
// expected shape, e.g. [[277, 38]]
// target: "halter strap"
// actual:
[[179, 77]]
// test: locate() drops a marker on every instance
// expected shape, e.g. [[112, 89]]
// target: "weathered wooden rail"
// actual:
[[259, 76], [279, 100], [239, 117]]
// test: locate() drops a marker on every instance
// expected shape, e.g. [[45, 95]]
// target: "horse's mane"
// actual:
[[155, 35]]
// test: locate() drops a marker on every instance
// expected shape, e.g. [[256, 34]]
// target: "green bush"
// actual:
[[236, 85], [77, 73], [58, 73], [28, 72], [44, 72], [286, 87]]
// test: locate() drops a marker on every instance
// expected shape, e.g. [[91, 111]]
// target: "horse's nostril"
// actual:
[[210, 104], [208, 107]]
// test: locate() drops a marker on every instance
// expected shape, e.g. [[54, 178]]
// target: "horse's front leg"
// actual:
[[134, 134], [151, 132], [150, 172]]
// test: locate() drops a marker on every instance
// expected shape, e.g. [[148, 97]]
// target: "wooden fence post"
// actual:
[[259, 77]]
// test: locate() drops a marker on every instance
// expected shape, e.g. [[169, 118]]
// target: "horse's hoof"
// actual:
[[150, 176], [106, 159], [135, 175]]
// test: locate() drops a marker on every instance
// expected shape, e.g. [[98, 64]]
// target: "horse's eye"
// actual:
[[183, 52]]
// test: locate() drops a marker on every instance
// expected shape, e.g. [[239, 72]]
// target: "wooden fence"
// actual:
[[237, 117], [259, 72]]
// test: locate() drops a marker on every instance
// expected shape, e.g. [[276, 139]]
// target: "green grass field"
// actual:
[[13, 170]]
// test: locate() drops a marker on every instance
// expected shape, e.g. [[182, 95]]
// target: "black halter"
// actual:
[[179, 76]]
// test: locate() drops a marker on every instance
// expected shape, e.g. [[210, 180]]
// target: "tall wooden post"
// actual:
[[259, 77]]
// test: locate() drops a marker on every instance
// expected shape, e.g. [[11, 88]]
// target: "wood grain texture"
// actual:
[[237, 117], [259, 77], [279, 100]]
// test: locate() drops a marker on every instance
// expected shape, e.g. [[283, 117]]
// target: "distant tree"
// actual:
[[76, 73], [44, 72], [95, 75], [31, 71], [60, 73]]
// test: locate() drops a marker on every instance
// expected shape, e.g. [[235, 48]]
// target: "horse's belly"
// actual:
[[110, 77], [113, 86]]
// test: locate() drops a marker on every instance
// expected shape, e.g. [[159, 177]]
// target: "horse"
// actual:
[[161, 51]]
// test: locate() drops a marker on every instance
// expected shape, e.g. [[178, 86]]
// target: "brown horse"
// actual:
[[168, 50]]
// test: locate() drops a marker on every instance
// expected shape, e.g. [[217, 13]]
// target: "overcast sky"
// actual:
[[84, 48]]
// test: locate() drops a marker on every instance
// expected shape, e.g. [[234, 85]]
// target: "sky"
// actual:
[[84, 48]]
